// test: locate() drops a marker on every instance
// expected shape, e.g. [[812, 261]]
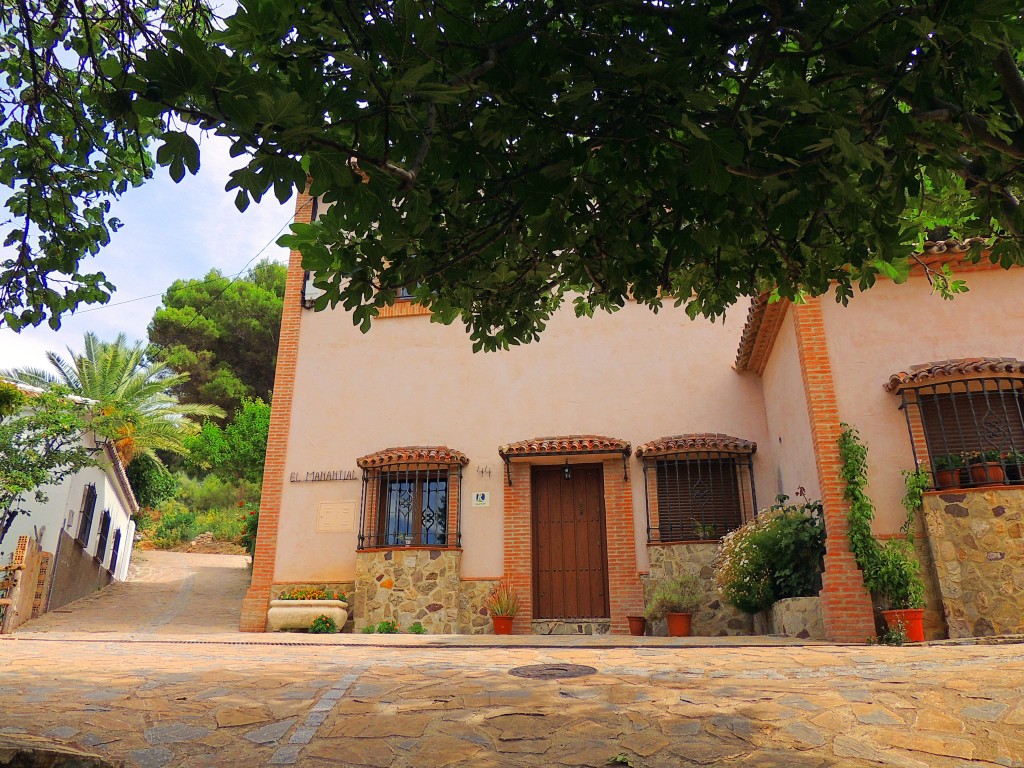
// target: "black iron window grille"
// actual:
[[86, 514], [115, 551], [698, 496], [101, 545], [415, 505], [967, 432]]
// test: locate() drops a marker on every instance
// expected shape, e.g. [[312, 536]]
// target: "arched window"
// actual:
[[962, 414], [411, 497], [698, 487]]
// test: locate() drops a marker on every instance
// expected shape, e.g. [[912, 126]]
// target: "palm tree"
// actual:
[[131, 394]]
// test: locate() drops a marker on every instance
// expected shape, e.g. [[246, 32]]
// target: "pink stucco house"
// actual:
[[413, 473]]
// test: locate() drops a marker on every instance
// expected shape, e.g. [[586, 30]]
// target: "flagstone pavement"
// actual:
[[159, 693]]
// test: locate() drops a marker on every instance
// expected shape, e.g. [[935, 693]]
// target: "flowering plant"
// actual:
[[776, 555], [311, 594]]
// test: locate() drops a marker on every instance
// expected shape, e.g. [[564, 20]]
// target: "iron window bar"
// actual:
[[88, 510], [698, 495], [965, 423], [415, 504]]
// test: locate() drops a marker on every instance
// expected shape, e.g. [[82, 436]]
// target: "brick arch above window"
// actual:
[[697, 442], [414, 454], [926, 373]]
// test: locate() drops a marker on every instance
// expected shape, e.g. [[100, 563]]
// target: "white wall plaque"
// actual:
[[482, 499], [335, 516]]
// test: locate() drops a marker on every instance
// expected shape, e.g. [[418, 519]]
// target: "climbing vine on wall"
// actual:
[[855, 476]]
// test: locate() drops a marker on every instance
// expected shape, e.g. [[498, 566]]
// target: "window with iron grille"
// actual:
[[85, 518], [115, 551], [697, 496], [411, 504], [955, 425], [101, 545]]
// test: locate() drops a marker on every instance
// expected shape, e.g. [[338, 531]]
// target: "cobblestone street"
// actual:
[[156, 694]]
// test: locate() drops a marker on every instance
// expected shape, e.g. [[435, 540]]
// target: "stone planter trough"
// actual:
[[299, 614]]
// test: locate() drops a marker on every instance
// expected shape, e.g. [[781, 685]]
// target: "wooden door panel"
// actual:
[[570, 553]]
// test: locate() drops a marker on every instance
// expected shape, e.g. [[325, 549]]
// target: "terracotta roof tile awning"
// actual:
[[764, 319], [414, 454], [695, 443], [567, 444], [945, 369]]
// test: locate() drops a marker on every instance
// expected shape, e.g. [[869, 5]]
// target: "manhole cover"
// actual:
[[552, 671]]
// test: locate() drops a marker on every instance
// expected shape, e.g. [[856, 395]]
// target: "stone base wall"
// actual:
[[793, 617], [473, 616], [715, 618], [976, 538], [569, 627], [934, 615], [409, 585]]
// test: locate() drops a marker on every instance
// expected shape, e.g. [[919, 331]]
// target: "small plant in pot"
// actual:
[[675, 599], [986, 467], [896, 578], [503, 605], [1013, 463], [947, 470]]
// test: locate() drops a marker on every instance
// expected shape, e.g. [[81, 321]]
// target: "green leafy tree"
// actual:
[[151, 482], [130, 392], [40, 444], [497, 159], [237, 450], [223, 333]]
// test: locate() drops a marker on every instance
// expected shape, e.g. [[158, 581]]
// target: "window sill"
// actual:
[[404, 547], [682, 541]]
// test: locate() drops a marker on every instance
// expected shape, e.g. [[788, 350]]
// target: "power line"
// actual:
[[203, 282]]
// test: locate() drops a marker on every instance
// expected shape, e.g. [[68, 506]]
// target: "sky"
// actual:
[[171, 231]]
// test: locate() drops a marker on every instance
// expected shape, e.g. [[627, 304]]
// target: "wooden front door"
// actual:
[[570, 554]]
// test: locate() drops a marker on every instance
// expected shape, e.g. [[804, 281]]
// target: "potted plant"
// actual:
[[637, 625], [1013, 466], [503, 605], [985, 467], [896, 578], [297, 608], [947, 470], [675, 600]]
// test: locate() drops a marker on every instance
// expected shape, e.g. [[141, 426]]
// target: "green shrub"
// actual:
[[681, 594], [417, 629], [224, 524], [177, 525], [211, 492], [776, 555], [323, 625], [387, 627], [369, 629], [250, 526]]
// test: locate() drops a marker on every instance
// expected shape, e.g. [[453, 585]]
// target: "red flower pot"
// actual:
[[912, 620], [947, 478], [502, 625], [678, 624], [987, 473], [637, 625]]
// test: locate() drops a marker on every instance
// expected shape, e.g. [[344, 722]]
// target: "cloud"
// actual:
[[171, 231]]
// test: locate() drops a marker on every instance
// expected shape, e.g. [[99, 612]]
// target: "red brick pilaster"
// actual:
[[519, 543], [257, 599], [626, 593], [845, 603]]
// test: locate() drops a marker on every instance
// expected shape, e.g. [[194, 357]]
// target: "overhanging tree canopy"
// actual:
[[495, 157]]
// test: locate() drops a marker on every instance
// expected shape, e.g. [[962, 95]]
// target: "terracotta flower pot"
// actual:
[[502, 625], [947, 478], [678, 624], [637, 625], [987, 473], [912, 620]]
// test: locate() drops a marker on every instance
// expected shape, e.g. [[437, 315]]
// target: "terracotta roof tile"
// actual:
[[413, 454], [764, 319], [702, 441], [951, 246], [921, 374], [540, 446]]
